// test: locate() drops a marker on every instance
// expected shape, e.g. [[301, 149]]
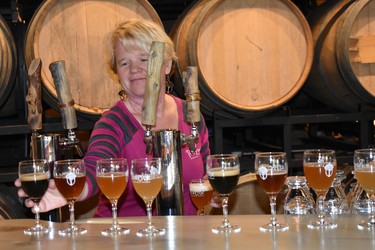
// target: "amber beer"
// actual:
[[200, 193], [273, 183], [112, 185], [70, 192], [147, 188], [223, 180], [35, 185], [317, 178], [366, 177]]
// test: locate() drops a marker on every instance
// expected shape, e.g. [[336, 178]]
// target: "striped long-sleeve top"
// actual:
[[118, 134]]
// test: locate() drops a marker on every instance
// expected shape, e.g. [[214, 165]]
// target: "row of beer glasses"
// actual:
[[112, 176], [319, 166], [69, 178], [223, 172]]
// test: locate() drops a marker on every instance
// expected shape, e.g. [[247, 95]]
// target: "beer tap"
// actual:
[[66, 105], [155, 62], [190, 83]]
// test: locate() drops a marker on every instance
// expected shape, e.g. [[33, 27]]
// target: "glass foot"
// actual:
[[72, 231], [321, 225], [150, 231], [366, 226], [37, 229], [115, 231], [226, 229], [274, 227]]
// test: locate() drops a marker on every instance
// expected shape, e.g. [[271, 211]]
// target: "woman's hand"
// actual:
[[216, 200], [52, 198]]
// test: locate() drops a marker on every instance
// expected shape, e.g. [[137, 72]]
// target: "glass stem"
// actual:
[[114, 214], [371, 220], [224, 203], [201, 211], [37, 215], [71, 212], [321, 216], [149, 213], [272, 198]]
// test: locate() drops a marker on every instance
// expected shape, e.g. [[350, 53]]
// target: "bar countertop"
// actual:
[[194, 232]]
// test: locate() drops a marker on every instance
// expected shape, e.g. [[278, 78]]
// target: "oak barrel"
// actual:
[[75, 31], [8, 61], [253, 56], [343, 71]]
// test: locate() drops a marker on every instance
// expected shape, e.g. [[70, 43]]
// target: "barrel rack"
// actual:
[[363, 121]]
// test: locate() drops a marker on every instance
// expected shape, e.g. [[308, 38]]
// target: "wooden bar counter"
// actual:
[[194, 232]]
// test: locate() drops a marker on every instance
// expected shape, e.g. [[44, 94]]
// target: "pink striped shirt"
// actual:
[[118, 134]]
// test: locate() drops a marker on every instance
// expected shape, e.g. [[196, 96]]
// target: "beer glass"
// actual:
[[147, 179], [271, 170], [200, 194], [112, 176], [70, 178], [319, 167], [223, 172], [34, 176], [364, 169]]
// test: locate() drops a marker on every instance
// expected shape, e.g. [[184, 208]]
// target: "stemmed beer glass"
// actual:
[[200, 194], [364, 169], [223, 172], [147, 179], [34, 176], [112, 175], [271, 171], [319, 167], [70, 178]]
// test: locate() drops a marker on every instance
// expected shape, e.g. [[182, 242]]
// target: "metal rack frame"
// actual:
[[365, 120]]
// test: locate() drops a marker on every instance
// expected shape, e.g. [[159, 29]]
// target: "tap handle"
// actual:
[[190, 82], [66, 102], [34, 96], [155, 62]]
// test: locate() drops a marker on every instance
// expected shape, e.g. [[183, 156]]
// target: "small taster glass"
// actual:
[[200, 194]]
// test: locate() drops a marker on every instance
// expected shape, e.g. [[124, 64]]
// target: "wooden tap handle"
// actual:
[[190, 82], [155, 63], [34, 95], [66, 102]]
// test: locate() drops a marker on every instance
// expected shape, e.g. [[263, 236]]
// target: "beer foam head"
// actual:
[[223, 172], [200, 187], [35, 177]]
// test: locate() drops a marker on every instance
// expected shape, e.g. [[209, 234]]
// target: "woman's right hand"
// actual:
[[52, 198]]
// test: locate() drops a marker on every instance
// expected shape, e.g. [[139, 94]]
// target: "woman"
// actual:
[[120, 133]]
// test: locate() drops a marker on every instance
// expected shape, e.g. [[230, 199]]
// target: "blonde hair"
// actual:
[[139, 34]]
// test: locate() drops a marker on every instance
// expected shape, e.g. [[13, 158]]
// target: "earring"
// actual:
[[123, 95], [168, 86]]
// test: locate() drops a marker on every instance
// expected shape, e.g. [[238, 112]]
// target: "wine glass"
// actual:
[[70, 178], [364, 169], [223, 172], [112, 175], [34, 175], [271, 171], [200, 194], [147, 179], [319, 166]]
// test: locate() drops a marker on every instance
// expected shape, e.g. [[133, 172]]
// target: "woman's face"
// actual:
[[132, 69]]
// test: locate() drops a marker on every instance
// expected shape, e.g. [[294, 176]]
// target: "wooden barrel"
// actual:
[[343, 71], [8, 61], [75, 31], [253, 56]]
